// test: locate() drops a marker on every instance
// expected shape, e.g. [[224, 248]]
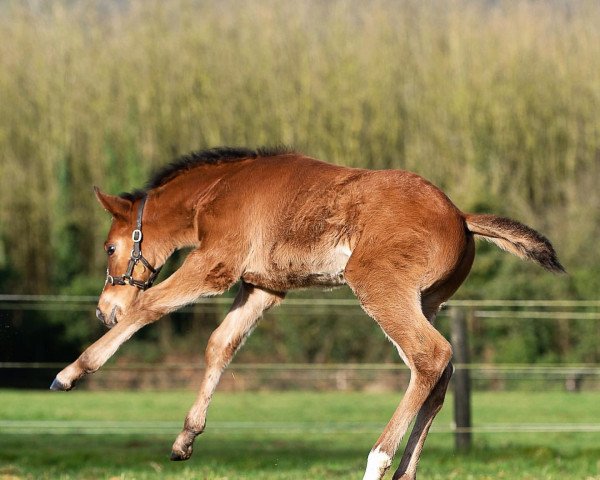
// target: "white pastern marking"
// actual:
[[377, 464]]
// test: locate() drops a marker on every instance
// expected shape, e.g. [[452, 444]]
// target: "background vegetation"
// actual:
[[496, 102]]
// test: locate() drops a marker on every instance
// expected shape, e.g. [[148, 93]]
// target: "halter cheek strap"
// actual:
[[136, 257]]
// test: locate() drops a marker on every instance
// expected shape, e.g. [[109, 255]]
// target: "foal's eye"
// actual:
[[110, 249]]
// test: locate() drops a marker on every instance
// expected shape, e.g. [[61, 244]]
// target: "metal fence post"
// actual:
[[462, 380]]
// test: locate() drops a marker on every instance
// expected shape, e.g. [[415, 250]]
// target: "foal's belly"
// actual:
[[300, 271], [283, 282]]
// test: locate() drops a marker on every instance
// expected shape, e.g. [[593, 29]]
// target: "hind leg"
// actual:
[[433, 404], [391, 298], [431, 407], [430, 305]]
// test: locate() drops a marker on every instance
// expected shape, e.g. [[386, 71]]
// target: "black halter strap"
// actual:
[[136, 257]]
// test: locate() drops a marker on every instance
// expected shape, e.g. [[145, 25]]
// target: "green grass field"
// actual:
[[292, 435]]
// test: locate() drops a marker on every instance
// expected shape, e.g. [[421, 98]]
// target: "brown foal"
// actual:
[[277, 220]]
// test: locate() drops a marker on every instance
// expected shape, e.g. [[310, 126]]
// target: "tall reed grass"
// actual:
[[496, 102]]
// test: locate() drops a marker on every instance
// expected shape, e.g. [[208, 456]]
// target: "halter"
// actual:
[[136, 257]]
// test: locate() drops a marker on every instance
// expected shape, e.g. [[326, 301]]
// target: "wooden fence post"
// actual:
[[462, 379]]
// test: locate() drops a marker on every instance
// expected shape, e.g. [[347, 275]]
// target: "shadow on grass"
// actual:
[[252, 456], [93, 456]]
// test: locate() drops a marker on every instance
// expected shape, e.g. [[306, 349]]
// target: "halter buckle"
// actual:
[[136, 236]]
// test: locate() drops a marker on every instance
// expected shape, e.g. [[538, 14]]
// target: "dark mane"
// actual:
[[212, 156]]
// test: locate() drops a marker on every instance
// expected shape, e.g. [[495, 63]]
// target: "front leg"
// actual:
[[199, 275], [95, 355], [245, 312]]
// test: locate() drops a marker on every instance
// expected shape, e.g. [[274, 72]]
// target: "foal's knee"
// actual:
[[88, 363]]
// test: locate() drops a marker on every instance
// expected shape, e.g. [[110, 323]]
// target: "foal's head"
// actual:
[[131, 268]]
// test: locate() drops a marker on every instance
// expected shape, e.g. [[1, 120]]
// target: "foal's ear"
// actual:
[[116, 206]]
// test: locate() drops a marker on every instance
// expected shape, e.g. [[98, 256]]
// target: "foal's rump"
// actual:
[[409, 224]]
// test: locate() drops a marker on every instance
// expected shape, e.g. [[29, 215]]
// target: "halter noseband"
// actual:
[[136, 257]]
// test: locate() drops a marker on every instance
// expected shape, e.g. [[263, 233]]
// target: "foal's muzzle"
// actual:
[[111, 321]]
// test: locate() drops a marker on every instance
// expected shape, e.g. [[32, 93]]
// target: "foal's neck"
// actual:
[[174, 212]]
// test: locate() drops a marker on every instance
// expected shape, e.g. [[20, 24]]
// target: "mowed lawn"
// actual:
[[291, 435]]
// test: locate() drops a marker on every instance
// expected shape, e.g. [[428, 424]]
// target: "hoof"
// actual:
[[404, 476], [57, 385], [178, 456]]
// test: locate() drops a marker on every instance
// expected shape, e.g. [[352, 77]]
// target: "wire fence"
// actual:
[[96, 427], [87, 301], [345, 375], [570, 376], [319, 376]]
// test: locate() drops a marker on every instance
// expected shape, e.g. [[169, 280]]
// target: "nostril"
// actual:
[[100, 315]]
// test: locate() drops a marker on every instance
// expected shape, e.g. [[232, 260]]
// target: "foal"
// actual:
[[277, 220]]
